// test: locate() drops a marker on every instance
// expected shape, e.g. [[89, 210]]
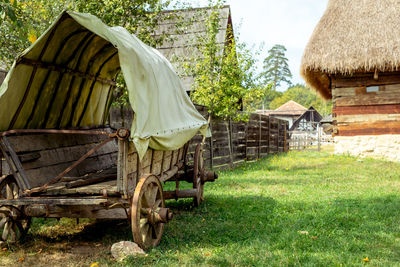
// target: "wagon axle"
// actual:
[[158, 215]]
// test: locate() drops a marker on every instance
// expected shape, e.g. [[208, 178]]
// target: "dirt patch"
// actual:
[[66, 244]]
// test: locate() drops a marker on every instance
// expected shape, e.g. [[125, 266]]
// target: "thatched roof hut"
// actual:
[[352, 36], [353, 57]]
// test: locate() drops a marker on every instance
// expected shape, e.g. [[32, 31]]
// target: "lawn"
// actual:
[[295, 209]]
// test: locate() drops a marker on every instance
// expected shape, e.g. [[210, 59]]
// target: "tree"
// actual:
[[276, 68], [23, 21], [224, 82], [304, 96]]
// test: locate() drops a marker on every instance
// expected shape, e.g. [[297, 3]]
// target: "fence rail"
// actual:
[[234, 142]]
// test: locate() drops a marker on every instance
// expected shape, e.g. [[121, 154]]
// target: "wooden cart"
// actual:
[[46, 173]]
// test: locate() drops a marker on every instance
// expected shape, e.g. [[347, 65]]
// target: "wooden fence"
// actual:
[[234, 142]]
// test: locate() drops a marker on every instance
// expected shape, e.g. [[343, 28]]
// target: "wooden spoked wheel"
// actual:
[[148, 212], [13, 223], [198, 174]]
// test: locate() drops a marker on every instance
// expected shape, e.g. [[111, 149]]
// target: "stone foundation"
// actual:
[[378, 146]]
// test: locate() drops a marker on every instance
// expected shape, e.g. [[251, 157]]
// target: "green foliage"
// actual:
[[270, 95], [224, 79], [276, 67], [23, 21], [304, 96]]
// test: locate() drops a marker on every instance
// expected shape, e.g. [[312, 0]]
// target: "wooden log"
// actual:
[[53, 201], [373, 109], [366, 79], [77, 211]]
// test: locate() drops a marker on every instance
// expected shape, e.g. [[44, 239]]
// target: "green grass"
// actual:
[[297, 209]]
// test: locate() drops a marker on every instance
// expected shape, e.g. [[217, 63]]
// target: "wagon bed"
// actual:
[[109, 181]]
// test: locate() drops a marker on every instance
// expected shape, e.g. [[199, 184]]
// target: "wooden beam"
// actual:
[[53, 201], [372, 109], [58, 68], [15, 164]]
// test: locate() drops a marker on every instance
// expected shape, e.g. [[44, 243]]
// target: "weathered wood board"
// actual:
[[359, 111]]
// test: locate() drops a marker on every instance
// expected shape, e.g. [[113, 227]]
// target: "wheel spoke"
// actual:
[[21, 228], [154, 232], [151, 194], [145, 232], [143, 222], [148, 236], [6, 230], [15, 190], [13, 232], [157, 204], [3, 222], [9, 193], [154, 192]]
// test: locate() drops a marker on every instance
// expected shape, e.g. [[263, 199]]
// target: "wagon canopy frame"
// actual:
[[66, 78]]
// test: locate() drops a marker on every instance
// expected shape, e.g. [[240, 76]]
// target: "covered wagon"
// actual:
[[60, 158]]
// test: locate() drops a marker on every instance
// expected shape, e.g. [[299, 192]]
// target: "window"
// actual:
[[372, 89]]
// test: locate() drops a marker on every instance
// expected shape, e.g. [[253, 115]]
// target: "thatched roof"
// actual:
[[352, 36], [183, 28]]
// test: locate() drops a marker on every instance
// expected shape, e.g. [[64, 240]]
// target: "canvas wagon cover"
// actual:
[[65, 80]]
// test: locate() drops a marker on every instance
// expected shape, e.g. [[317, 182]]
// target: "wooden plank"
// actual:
[[366, 100], [53, 201], [362, 90], [372, 109], [370, 118], [39, 142], [375, 128], [367, 131], [43, 175], [65, 154], [366, 79], [166, 161], [59, 189]]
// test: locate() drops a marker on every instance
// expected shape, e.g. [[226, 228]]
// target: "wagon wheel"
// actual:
[[13, 223], [148, 212], [198, 174]]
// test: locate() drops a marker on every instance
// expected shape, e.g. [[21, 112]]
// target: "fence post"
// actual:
[[269, 135], [259, 136], [211, 145], [277, 137], [319, 137], [230, 143], [284, 138]]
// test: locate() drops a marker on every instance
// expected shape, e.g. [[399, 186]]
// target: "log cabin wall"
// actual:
[[366, 114]]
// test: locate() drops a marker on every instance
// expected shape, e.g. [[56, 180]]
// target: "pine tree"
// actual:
[[276, 68]]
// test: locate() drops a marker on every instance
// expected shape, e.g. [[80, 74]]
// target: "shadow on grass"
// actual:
[[351, 227]]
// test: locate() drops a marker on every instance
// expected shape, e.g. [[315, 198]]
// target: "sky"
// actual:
[[286, 22]]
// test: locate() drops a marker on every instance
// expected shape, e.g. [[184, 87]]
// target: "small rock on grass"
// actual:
[[123, 249]]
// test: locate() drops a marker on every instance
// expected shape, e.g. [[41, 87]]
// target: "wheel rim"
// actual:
[[13, 223], [148, 195], [198, 173]]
